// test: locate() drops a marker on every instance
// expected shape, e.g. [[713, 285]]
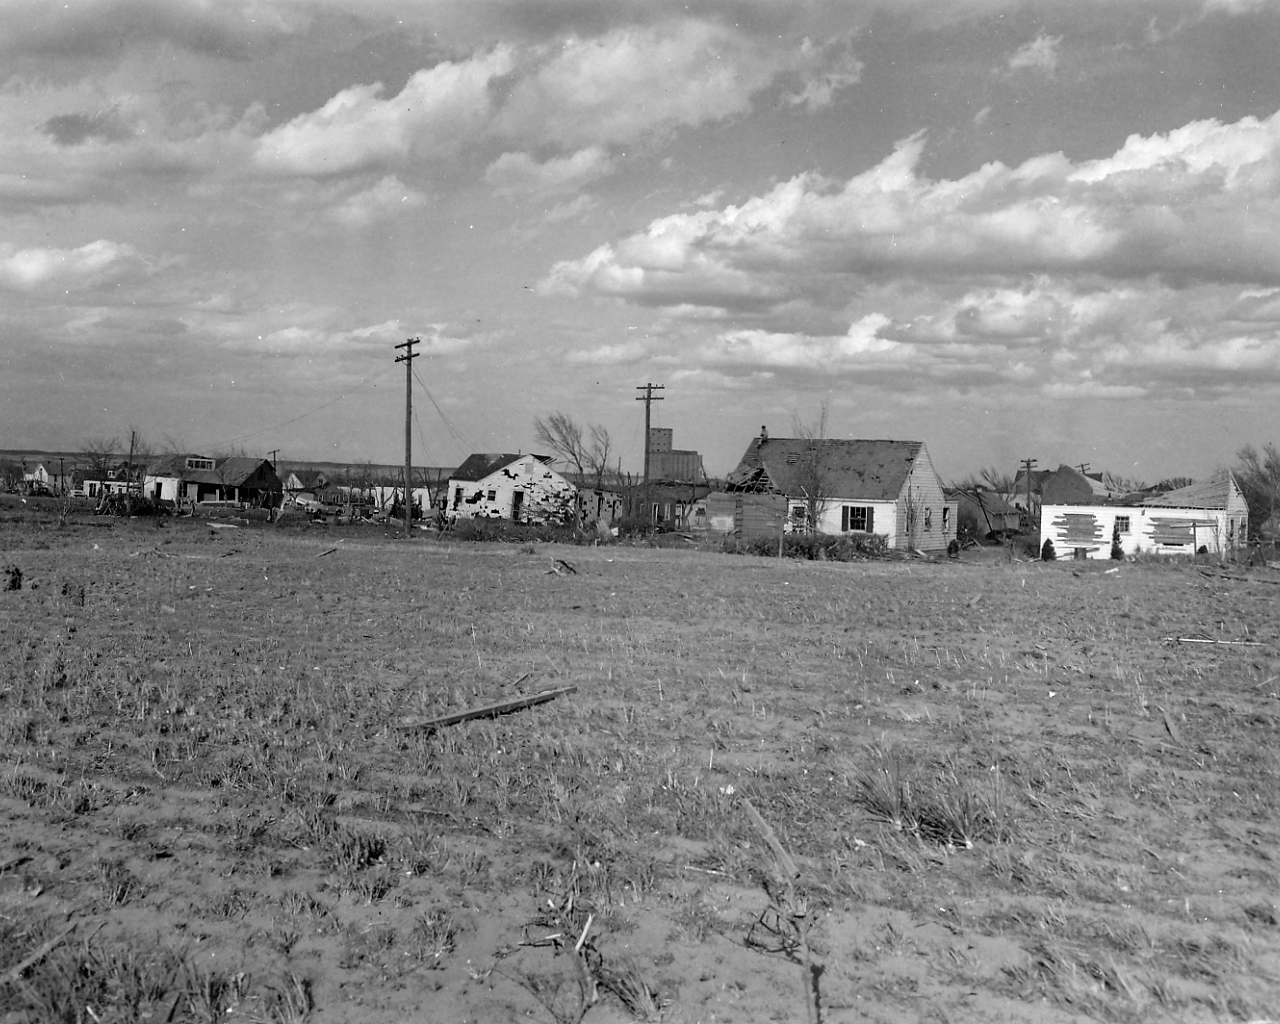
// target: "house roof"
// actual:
[[1211, 492], [870, 470], [236, 469], [989, 500], [479, 466], [176, 466]]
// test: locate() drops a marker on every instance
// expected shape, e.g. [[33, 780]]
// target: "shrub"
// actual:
[[1047, 553], [1117, 552]]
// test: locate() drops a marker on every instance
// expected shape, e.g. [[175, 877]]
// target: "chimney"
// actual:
[[764, 433]]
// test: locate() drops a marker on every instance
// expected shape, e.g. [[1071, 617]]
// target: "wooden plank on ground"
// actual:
[[501, 707]]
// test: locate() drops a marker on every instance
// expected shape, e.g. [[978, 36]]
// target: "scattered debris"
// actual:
[[14, 578], [502, 707], [1202, 639], [17, 971], [328, 551], [1171, 727], [561, 568], [1236, 577]]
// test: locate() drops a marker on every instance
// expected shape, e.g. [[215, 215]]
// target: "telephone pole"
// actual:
[[648, 398], [1030, 465], [409, 356]]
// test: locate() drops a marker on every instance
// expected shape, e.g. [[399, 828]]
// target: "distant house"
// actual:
[[522, 488], [304, 483], [860, 487], [189, 478], [987, 513], [1209, 514], [1066, 485]]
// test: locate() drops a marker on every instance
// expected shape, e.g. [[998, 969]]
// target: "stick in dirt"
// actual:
[[799, 915], [17, 971]]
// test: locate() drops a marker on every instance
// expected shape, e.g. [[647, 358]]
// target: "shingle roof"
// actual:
[[477, 467], [1211, 492], [869, 470], [236, 469]]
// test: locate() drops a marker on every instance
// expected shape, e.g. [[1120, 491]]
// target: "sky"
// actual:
[[1009, 230]]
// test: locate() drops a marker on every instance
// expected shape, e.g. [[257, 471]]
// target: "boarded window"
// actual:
[[857, 518], [1122, 524]]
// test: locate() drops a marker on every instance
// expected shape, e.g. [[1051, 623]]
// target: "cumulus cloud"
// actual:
[[515, 173], [633, 81], [93, 264], [385, 199], [1041, 54], [360, 128], [1158, 263], [831, 76]]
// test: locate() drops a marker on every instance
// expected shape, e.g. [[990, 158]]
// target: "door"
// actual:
[[517, 503]]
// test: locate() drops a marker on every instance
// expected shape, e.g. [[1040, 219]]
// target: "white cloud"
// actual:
[[630, 82], [89, 265], [515, 173], [384, 199], [832, 75], [433, 114], [1041, 54]]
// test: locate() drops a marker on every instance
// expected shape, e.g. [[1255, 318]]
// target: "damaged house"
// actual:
[[1209, 515], [189, 479], [833, 486], [522, 488]]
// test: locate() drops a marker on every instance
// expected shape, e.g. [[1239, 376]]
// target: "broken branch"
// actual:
[[16, 972], [501, 707]]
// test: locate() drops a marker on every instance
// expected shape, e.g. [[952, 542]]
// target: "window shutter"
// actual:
[[844, 518], [871, 519]]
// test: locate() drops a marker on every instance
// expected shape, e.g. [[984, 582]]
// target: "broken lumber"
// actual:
[[501, 707], [18, 970]]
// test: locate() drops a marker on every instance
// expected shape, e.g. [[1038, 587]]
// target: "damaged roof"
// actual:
[[477, 467], [1211, 492], [868, 470]]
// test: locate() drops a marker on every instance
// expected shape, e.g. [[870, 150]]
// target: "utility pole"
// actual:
[[1030, 465], [1084, 468], [648, 398], [409, 356]]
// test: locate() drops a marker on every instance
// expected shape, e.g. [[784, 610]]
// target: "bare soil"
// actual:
[[1007, 794]]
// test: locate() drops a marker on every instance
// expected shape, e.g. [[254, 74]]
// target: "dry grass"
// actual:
[[199, 756]]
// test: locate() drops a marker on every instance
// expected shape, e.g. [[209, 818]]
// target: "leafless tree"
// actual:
[[586, 452], [100, 455], [992, 479], [811, 471], [1258, 474]]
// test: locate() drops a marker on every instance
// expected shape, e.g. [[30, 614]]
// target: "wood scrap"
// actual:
[[1171, 727], [1236, 577], [326, 552], [17, 971], [561, 568], [1210, 640], [501, 707]]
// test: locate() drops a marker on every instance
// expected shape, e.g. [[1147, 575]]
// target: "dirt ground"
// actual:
[[1011, 791]]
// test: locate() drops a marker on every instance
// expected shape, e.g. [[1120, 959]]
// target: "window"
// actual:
[[492, 496], [1122, 524], [199, 463], [857, 518], [946, 518], [457, 496], [928, 519]]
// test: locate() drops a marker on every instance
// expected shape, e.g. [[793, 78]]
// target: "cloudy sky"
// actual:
[[1007, 229]]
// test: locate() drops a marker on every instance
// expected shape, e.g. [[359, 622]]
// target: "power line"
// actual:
[[311, 412], [464, 442]]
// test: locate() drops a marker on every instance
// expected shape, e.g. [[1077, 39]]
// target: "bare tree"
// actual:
[[1258, 474], [587, 453], [993, 480], [811, 470], [100, 455]]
